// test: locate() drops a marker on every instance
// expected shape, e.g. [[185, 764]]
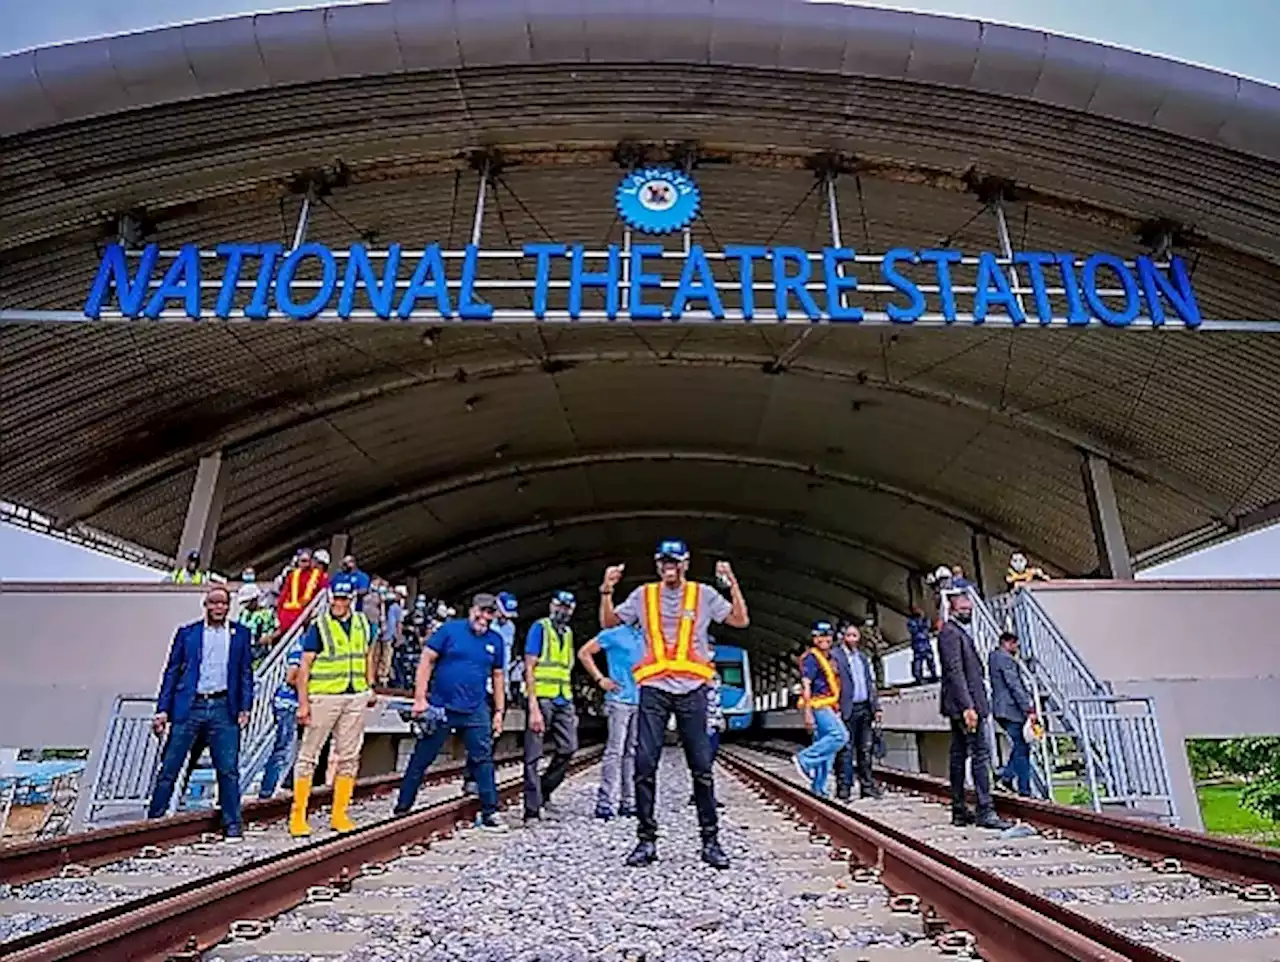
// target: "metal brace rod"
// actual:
[[480, 198], [304, 219], [1006, 251]]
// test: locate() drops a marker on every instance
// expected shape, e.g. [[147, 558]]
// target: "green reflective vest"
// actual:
[[181, 576], [551, 673], [339, 669]]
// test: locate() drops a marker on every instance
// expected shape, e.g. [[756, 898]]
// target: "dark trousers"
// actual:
[[476, 730], [971, 746], [1018, 768], [922, 666], [210, 721], [856, 754], [562, 731], [690, 709]]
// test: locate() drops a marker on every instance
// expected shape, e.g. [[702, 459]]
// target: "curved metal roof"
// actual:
[[830, 462]]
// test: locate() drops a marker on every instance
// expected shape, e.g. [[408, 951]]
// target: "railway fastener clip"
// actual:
[[75, 870], [1103, 848], [150, 852], [1167, 866], [373, 868], [246, 930], [1258, 892], [905, 904], [957, 945], [864, 875], [321, 893], [412, 851]]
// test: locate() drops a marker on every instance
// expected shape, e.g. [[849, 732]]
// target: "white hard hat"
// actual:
[[942, 573], [247, 593], [321, 556], [402, 590]]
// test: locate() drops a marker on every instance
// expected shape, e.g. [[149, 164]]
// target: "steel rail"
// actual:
[[1223, 859], [44, 858], [194, 917], [1010, 923]]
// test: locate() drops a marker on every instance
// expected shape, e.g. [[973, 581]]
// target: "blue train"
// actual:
[[737, 700]]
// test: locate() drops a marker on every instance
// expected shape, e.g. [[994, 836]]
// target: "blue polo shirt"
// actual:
[[623, 648], [817, 677], [465, 663], [356, 580]]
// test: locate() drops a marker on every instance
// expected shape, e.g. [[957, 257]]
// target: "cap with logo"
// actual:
[[672, 550], [565, 598], [342, 589], [821, 628], [507, 604]]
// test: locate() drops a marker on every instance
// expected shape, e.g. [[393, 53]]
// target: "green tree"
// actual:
[[1255, 760]]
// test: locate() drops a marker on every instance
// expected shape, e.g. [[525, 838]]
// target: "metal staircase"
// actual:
[[129, 758], [1117, 737]]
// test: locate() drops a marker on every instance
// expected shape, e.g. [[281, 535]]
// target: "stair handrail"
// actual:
[[1041, 628]]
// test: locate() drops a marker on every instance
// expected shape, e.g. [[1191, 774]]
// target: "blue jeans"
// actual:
[[476, 730], [1018, 768], [212, 722], [829, 736], [282, 752], [922, 666]]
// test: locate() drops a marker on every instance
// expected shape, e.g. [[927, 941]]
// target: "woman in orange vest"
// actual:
[[820, 700], [298, 586]]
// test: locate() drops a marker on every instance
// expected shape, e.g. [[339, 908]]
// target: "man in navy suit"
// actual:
[[860, 711], [966, 705], [206, 694]]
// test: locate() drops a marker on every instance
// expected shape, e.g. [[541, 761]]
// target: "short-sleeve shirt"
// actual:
[[533, 646], [623, 648], [464, 666], [395, 613], [811, 669], [286, 696], [712, 606], [356, 580]]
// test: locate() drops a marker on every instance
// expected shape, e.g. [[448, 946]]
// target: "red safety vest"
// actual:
[[664, 658], [295, 597], [832, 698]]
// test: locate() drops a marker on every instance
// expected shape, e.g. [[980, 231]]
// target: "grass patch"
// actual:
[[1223, 814]]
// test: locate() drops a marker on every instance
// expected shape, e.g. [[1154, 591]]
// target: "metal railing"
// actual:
[[129, 758], [1118, 737]]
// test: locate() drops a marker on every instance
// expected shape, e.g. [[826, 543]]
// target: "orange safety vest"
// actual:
[[293, 600], [832, 698], [662, 659]]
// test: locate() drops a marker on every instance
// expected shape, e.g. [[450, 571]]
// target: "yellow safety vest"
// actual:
[[181, 576], [339, 669], [832, 698], [663, 659], [551, 673]]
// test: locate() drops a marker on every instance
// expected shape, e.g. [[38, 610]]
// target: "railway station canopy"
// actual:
[[829, 461]]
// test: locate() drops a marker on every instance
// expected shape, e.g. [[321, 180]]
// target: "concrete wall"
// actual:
[[1208, 652], [69, 649]]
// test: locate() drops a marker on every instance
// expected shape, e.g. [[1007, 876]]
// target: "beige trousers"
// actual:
[[343, 716], [381, 652]]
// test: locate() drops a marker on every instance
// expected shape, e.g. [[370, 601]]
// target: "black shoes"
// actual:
[[989, 819], [645, 853], [714, 855], [875, 791], [962, 817], [843, 794]]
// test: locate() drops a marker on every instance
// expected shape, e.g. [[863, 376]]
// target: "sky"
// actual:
[[1234, 35]]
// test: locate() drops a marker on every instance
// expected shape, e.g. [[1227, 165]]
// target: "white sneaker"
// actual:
[[805, 774]]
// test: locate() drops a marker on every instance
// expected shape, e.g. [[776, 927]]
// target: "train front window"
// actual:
[[730, 674]]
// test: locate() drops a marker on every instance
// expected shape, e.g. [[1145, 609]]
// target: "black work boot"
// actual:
[[844, 792], [987, 818], [645, 853], [873, 791], [962, 817], [713, 854]]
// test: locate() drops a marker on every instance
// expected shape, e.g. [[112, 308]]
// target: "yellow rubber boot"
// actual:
[[343, 788], [298, 826]]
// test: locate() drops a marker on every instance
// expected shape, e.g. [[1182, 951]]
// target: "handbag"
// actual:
[[1033, 731]]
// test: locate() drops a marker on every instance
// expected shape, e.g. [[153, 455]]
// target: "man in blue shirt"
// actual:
[[548, 666], [351, 575], [923, 668], [460, 659], [206, 694], [623, 648], [820, 687], [284, 706], [505, 625]]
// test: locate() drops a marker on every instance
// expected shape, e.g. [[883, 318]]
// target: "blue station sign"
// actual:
[[640, 281]]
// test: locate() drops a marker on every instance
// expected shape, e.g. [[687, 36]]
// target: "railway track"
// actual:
[[1068, 889], [104, 875]]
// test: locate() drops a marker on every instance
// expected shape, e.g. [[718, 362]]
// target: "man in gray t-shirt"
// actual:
[[672, 676]]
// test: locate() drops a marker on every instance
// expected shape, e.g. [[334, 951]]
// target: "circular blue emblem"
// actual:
[[657, 200]]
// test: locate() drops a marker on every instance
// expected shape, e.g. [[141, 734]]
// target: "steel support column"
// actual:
[[339, 546], [988, 569], [411, 583], [204, 511], [1104, 514]]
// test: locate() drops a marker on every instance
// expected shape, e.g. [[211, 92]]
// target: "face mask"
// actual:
[[964, 617], [560, 618]]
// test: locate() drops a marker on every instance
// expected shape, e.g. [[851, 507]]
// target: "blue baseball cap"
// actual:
[[342, 589], [673, 549], [507, 604], [822, 628], [564, 598]]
